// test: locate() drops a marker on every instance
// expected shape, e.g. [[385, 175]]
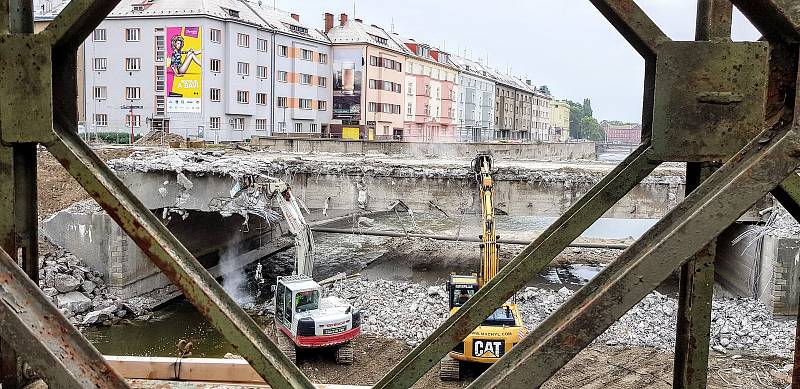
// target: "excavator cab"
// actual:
[[460, 289]]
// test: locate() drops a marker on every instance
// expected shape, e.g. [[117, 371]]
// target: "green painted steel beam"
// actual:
[[634, 25], [778, 20], [788, 194], [175, 261], [521, 269], [76, 21], [35, 328], [715, 205]]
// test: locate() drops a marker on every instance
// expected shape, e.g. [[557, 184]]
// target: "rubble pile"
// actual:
[[80, 292], [410, 312], [274, 164]]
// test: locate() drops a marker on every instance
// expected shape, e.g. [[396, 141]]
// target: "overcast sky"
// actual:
[[564, 44]]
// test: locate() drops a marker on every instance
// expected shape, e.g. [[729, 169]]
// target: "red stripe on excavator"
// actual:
[[323, 340]]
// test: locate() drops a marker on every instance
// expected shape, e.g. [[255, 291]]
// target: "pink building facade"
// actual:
[[430, 95]]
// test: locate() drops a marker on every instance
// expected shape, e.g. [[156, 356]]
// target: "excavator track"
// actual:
[[344, 354], [286, 346], [449, 369]]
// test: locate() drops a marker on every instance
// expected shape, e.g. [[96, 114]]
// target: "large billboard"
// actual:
[[348, 66], [185, 72]]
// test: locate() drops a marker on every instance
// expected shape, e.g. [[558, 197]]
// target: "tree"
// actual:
[[587, 108], [544, 89], [590, 129], [575, 116]]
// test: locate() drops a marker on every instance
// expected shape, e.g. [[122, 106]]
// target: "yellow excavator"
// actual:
[[504, 327]]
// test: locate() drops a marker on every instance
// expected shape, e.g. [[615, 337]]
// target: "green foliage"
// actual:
[[113, 137], [590, 129], [587, 108], [582, 124]]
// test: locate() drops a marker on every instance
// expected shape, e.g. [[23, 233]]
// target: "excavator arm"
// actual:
[[482, 166], [293, 214]]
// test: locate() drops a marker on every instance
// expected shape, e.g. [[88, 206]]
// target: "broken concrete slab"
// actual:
[[74, 301]]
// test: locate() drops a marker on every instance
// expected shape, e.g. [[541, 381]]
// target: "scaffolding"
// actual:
[[726, 108]]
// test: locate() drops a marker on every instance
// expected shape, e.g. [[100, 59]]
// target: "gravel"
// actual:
[[410, 312]]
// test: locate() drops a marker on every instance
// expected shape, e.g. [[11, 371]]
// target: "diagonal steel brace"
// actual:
[[37, 330], [525, 266], [634, 25], [714, 206]]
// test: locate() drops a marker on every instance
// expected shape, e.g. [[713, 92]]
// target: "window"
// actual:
[[282, 76], [281, 126], [305, 79], [237, 124], [243, 40], [243, 97], [214, 123], [322, 82], [261, 124], [216, 35], [133, 93], [216, 65], [322, 105], [261, 44], [99, 35], [281, 102], [323, 58], [313, 127], [305, 103], [100, 64], [409, 111], [100, 119], [133, 121], [161, 105], [261, 98], [160, 78], [132, 34], [261, 72], [133, 64], [243, 68], [283, 51], [307, 55], [99, 93], [215, 94], [298, 127], [160, 48], [410, 89]]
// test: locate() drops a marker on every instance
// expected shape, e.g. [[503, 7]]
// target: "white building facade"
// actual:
[[475, 101]]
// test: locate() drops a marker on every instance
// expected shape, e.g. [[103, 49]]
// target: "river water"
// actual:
[[180, 320]]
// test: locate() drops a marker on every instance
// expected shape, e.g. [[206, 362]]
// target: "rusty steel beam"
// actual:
[[521, 269], [719, 201], [76, 21], [777, 20], [33, 326], [175, 261], [696, 278], [634, 25]]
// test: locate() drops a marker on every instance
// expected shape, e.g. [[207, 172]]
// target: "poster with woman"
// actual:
[[185, 69]]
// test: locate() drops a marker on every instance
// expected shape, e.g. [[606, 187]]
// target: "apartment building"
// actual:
[[475, 101], [219, 70], [368, 80], [430, 98], [540, 116], [622, 133], [559, 121], [300, 73]]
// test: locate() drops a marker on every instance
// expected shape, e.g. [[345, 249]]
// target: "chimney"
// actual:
[[342, 19], [328, 21], [359, 20], [296, 17]]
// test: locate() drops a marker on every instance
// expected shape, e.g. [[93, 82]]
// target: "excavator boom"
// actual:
[[482, 166], [293, 214]]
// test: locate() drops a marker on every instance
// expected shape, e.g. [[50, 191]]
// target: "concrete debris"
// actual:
[[287, 164], [80, 292], [410, 312]]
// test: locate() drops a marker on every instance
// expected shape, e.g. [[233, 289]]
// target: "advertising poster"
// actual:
[[185, 71], [348, 67]]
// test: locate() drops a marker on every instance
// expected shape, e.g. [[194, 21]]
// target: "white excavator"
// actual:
[[303, 318]]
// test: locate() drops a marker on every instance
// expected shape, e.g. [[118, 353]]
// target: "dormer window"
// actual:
[[298, 29], [231, 12], [379, 40]]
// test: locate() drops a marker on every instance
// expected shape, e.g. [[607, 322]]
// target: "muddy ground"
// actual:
[[57, 189], [598, 367]]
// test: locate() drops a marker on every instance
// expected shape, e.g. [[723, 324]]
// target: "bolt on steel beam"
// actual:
[[521, 269], [52, 346], [718, 202], [175, 261]]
